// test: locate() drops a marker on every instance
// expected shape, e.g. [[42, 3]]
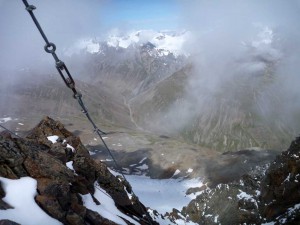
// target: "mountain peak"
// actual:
[[170, 41]]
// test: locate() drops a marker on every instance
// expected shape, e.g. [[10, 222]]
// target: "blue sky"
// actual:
[[142, 14]]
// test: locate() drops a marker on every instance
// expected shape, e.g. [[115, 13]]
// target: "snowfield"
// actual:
[[162, 195]]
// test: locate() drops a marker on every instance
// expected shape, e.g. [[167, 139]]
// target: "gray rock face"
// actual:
[[59, 188]]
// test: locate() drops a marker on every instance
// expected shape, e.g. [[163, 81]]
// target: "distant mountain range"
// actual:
[[147, 81], [165, 42]]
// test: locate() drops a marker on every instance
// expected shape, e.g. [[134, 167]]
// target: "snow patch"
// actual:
[[20, 195], [244, 195], [143, 160], [216, 218], [71, 147], [293, 209], [143, 167], [53, 138], [190, 170], [107, 208], [162, 195], [287, 179], [70, 166], [176, 172], [247, 197], [269, 223], [5, 119]]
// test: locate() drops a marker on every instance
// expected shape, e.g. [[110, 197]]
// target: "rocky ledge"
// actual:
[[65, 173], [267, 194]]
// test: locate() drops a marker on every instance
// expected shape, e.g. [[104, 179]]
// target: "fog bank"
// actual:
[[245, 56]]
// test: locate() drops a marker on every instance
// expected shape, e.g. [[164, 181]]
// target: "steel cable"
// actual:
[[70, 83]]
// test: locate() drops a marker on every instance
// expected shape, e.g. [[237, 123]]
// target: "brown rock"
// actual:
[[58, 187], [10, 153], [74, 219], [82, 185], [5, 171], [95, 219], [78, 208], [42, 165], [48, 127], [51, 206]]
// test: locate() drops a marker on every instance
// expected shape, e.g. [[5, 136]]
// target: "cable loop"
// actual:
[[30, 8], [50, 47]]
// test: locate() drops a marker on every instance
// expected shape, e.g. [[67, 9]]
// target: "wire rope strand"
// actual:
[[50, 48], [10, 131]]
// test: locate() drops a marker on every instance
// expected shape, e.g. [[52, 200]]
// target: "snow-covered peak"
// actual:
[[165, 40]]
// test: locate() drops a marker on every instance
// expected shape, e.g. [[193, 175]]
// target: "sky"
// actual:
[[66, 21], [138, 14]]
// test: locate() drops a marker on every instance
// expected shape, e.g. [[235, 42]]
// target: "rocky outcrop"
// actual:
[[234, 203], [280, 188], [60, 188], [262, 196]]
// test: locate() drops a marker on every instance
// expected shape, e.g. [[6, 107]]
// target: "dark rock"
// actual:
[[8, 222], [51, 206], [5, 171], [280, 188], [77, 206], [95, 219], [59, 188], [195, 189], [10, 156], [49, 127], [263, 195], [74, 219], [41, 165], [82, 186], [174, 215], [3, 204], [59, 152]]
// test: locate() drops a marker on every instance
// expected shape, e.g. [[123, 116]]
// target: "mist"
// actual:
[[63, 21], [245, 57]]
